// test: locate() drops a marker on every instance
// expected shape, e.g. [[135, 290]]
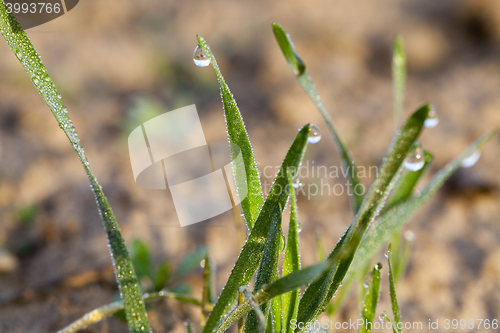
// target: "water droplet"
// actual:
[[202, 263], [367, 280], [200, 58], [415, 160], [378, 266], [387, 253], [282, 242], [299, 226], [297, 182], [410, 236], [383, 316], [433, 119], [314, 134], [59, 95], [471, 159]]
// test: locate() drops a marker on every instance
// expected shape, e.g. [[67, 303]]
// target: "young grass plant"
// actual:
[[274, 305]]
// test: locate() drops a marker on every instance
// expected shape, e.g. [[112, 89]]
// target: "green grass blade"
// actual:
[[208, 291], [398, 78], [371, 300], [320, 247], [189, 329], [237, 134], [141, 259], [268, 270], [319, 293], [392, 292], [105, 311], [392, 220], [251, 252], [24, 50], [291, 262], [162, 276], [407, 182], [298, 68]]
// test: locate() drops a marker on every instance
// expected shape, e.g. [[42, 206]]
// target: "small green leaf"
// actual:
[[392, 291], [247, 180], [319, 293], [141, 259], [371, 300], [251, 253], [291, 262], [162, 275], [398, 78], [25, 52], [298, 68]]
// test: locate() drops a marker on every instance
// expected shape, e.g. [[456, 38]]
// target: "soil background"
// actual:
[[115, 61]]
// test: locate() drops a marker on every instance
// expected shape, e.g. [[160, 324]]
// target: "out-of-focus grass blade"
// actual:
[[398, 78], [251, 252], [298, 68], [407, 182], [319, 293], [125, 274], [161, 276], [189, 329], [320, 247], [393, 219], [105, 311], [392, 292], [400, 255], [268, 271], [291, 262], [141, 259], [237, 134], [208, 292], [371, 300]]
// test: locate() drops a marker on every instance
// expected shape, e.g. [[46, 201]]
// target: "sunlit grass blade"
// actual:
[[291, 262], [298, 68], [319, 293], [398, 78], [392, 292], [371, 300], [25, 52], [393, 219], [406, 183], [268, 270], [251, 252], [105, 311], [247, 179], [208, 292]]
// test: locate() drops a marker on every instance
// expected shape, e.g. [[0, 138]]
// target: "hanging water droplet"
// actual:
[[314, 134], [200, 58], [297, 182], [282, 242], [415, 161], [366, 281], [432, 119], [383, 316], [409, 236], [378, 266], [471, 159], [299, 226], [387, 253]]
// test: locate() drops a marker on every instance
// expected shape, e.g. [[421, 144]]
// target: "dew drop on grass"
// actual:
[[433, 119], [299, 226], [297, 182], [415, 161], [378, 266], [471, 159], [314, 134], [282, 242], [383, 316], [366, 281], [200, 58], [202, 263]]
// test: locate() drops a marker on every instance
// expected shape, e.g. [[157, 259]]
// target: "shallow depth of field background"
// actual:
[[113, 61]]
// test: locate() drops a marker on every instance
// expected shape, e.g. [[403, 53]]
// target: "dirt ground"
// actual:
[[108, 57]]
